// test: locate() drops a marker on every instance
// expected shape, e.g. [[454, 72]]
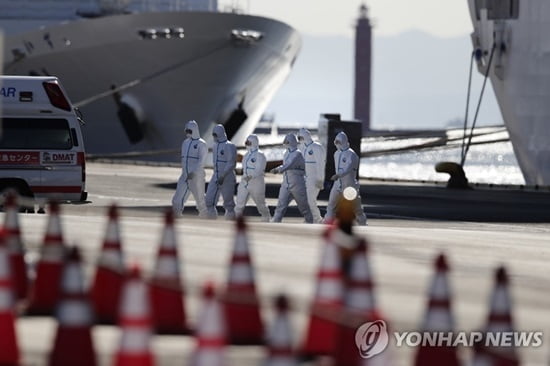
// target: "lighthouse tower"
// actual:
[[363, 52]]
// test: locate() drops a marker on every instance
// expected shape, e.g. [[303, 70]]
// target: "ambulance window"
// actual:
[[34, 133]]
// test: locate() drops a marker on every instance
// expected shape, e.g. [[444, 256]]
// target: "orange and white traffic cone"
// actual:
[[438, 318], [15, 246], [500, 321], [242, 309], [210, 332], [45, 291], [110, 273], [135, 322], [167, 294], [73, 343], [359, 308], [9, 350], [280, 349], [322, 332]]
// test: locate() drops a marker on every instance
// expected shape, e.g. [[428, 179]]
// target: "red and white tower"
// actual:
[[363, 53]]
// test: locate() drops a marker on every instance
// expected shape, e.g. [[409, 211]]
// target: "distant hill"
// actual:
[[419, 81]]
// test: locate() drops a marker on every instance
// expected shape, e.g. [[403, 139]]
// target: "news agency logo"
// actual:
[[372, 338]]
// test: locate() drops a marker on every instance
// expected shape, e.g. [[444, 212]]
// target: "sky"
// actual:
[[308, 87], [442, 18]]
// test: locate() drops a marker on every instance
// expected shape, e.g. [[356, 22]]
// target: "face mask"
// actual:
[[248, 145], [189, 133], [215, 137], [338, 144]]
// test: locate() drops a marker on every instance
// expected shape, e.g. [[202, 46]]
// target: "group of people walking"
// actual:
[[303, 170]]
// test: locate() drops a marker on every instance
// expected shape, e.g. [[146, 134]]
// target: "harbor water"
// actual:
[[489, 163]]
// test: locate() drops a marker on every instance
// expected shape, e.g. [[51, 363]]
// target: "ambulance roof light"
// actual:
[[56, 96]]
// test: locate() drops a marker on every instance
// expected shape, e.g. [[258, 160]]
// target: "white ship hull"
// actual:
[[165, 81], [520, 75]]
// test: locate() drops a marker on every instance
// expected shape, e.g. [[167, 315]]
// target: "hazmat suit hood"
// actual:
[[342, 138], [254, 143], [194, 127], [292, 141], [219, 130], [306, 135]]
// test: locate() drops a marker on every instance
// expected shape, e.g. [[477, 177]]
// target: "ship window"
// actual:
[[498, 9]]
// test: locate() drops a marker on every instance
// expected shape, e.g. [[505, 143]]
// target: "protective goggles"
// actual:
[[188, 131], [248, 143]]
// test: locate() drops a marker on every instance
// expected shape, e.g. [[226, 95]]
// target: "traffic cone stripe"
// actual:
[[501, 301], [500, 318], [169, 252], [211, 343], [360, 300], [4, 282], [362, 284], [439, 303], [138, 309], [135, 341], [167, 301], [330, 289], [167, 267], [108, 245], [241, 258], [75, 313], [240, 273], [330, 275], [112, 259], [135, 322], [6, 301]]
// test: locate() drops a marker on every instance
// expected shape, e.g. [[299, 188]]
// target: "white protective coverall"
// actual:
[[253, 183], [193, 155], [294, 183], [223, 181], [346, 164], [316, 159]]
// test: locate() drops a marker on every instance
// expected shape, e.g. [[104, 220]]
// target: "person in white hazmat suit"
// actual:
[[315, 158], [253, 183], [223, 181], [294, 184], [346, 164], [191, 181]]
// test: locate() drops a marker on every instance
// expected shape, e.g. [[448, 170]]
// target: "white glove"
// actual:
[[190, 175], [274, 170], [335, 177], [319, 184]]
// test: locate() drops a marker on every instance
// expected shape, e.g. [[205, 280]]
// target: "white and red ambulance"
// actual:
[[41, 146]]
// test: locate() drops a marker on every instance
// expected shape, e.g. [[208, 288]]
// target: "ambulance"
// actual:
[[41, 146]]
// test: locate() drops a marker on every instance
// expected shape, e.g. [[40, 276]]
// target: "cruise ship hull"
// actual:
[[202, 72], [520, 74]]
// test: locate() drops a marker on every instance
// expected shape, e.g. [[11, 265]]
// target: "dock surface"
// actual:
[[408, 226]]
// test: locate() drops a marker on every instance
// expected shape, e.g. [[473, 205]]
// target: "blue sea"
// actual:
[[492, 164], [489, 163]]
